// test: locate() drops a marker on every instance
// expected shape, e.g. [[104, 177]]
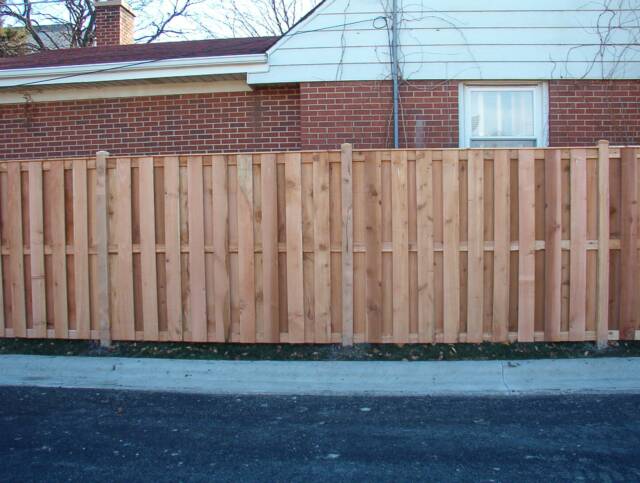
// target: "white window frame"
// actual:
[[540, 92]]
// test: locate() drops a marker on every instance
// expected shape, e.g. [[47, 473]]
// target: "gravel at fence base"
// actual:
[[360, 352]]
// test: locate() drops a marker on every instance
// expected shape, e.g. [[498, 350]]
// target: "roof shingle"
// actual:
[[140, 52]]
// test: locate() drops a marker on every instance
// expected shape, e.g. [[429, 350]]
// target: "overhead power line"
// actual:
[[151, 61], [34, 2]]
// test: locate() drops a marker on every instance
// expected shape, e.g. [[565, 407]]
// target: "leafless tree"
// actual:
[[12, 41], [71, 23], [255, 18]]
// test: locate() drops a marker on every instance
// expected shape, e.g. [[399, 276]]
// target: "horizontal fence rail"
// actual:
[[388, 246]]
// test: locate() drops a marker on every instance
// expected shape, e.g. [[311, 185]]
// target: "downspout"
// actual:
[[394, 74]]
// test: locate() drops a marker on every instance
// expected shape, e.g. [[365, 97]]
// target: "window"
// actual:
[[503, 116]]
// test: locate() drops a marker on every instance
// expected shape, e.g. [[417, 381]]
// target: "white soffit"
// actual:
[[118, 71], [120, 90]]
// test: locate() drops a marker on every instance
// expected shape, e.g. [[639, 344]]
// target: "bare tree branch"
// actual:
[[265, 17], [162, 26], [74, 20]]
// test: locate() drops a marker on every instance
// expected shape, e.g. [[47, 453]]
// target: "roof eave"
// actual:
[[143, 69]]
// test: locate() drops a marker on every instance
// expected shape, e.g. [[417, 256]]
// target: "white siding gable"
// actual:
[[462, 39]]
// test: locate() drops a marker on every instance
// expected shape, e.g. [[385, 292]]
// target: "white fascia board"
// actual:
[[135, 70]]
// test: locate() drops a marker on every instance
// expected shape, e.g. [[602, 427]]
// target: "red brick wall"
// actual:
[[332, 113], [311, 116], [582, 112], [265, 119]]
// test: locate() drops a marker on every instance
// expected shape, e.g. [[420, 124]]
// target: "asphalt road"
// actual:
[[84, 435]]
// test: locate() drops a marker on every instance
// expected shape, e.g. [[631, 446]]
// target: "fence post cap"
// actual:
[[603, 141]]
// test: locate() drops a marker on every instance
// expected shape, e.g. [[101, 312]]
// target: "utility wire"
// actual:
[[133, 64], [34, 2]]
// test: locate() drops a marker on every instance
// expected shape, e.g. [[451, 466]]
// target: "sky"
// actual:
[[205, 20], [210, 14]]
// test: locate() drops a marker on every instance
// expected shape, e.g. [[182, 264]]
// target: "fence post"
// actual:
[[102, 242], [346, 162], [602, 320]]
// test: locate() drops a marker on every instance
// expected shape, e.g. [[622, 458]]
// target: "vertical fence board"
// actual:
[[553, 249], [540, 231], [463, 194], [16, 251], [81, 249], [222, 291], [36, 220], [592, 234], [489, 238], [161, 259], [578, 267], [502, 249], [451, 237], [359, 245], [322, 248], [197, 277], [335, 207], [602, 319], [59, 251], [308, 257], [346, 167], [400, 236], [246, 258], [172, 247], [256, 188], [526, 256], [475, 200], [148, 250], [102, 247], [426, 289], [629, 243], [2, 273], [4, 279], [270, 285], [124, 272], [438, 237], [373, 243], [295, 281]]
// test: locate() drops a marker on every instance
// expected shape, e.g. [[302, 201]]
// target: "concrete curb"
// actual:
[[464, 378]]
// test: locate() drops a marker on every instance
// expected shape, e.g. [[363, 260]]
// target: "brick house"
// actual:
[[539, 74]]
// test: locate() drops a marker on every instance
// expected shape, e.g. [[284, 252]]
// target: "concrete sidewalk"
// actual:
[[585, 376]]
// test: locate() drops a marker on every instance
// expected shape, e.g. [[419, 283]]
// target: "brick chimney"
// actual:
[[114, 23]]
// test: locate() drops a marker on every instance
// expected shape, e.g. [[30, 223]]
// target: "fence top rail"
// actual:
[[539, 153]]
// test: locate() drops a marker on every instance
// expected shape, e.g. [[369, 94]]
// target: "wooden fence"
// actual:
[[398, 246]]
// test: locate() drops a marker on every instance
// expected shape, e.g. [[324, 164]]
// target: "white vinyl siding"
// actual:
[[456, 39]]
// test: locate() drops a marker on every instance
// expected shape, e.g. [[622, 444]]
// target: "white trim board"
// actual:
[[118, 71]]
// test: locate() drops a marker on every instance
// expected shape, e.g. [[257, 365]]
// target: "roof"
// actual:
[[54, 36], [141, 52]]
